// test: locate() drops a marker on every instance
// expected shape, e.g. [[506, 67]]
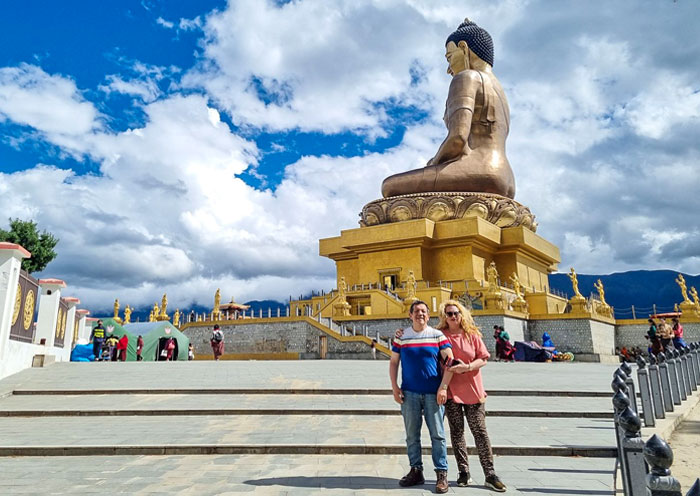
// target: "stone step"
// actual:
[[294, 391], [276, 404], [291, 475], [296, 433]]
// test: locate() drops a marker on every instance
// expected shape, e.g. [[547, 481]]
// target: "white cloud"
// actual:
[[145, 90], [48, 103]]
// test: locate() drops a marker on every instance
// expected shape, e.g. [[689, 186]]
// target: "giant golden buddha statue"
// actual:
[[470, 173]]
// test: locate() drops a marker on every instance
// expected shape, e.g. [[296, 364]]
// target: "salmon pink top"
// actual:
[[467, 388]]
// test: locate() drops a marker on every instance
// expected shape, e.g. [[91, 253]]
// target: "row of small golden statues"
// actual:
[[160, 313]]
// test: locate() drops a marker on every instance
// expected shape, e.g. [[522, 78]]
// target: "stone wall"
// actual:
[[631, 335], [588, 340], [272, 336]]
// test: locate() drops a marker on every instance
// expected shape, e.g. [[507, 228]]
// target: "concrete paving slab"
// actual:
[[303, 474]]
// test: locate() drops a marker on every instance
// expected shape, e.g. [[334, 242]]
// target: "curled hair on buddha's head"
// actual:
[[478, 40]]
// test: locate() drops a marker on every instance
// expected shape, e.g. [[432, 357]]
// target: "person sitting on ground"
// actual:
[[548, 343], [678, 341], [504, 349]]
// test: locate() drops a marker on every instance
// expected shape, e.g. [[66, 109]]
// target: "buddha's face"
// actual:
[[457, 57]]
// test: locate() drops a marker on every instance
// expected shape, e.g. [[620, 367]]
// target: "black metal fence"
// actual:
[[664, 382]]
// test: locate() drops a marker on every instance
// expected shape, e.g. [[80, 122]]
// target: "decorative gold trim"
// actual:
[[29, 301], [496, 209], [18, 305]]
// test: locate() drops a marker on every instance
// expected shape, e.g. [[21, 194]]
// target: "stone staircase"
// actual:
[[74, 415]]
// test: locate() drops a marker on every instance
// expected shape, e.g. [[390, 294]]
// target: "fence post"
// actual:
[[629, 382], [661, 396], [693, 360], [620, 403], [645, 393], [675, 356], [634, 315], [633, 452], [675, 389], [659, 456], [666, 384], [695, 490], [680, 355]]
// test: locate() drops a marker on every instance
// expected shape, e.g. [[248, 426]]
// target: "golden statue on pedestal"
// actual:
[[176, 318], [574, 285], [116, 309], [216, 313], [127, 314], [150, 316], [518, 304], [164, 307], [604, 309], [341, 307], [156, 311], [470, 174], [493, 300]]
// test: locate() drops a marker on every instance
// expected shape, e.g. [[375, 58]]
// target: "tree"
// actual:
[[40, 245]]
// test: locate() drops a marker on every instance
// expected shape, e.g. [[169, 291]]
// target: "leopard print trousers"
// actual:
[[476, 418]]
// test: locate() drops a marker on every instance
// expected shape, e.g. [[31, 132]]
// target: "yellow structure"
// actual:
[[686, 306], [116, 317]]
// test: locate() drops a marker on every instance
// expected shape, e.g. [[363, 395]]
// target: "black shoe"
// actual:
[[493, 482], [413, 478], [464, 479]]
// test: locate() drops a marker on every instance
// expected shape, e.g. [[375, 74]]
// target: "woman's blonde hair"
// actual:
[[466, 322]]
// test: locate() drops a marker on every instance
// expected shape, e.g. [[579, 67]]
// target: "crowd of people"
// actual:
[[663, 335]]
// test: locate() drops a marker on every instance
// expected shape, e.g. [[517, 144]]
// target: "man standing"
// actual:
[[423, 392], [217, 342], [97, 336]]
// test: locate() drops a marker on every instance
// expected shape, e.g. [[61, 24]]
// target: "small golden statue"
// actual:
[[680, 280], [411, 286], [694, 294], [518, 304], [493, 299], [574, 284], [516, 285], [473, 155], [150, 317], [116, 309], [601, 292], [176, 318], [216, 313], [341, 307], [156, 311], [164, 307], [127, 314], [492, 278]]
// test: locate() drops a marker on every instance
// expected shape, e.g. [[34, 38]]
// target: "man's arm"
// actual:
[[393, 375], [446, 377]]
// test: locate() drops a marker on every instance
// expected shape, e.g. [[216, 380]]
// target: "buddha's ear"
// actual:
[[463, 45]]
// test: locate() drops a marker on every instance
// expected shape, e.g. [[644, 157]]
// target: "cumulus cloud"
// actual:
[[603, 141], [50, 104]]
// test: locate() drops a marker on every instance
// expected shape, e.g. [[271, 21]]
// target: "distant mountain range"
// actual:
[[641, 288]]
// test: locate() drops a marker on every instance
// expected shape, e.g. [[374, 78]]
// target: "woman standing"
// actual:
[[466, 394]]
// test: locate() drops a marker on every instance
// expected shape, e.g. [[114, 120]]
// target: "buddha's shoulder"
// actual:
[[468, 79]]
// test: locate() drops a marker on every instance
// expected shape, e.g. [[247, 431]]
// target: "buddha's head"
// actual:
[[469, 47]]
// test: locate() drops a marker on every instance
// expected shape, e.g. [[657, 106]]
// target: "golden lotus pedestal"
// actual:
[[451, 253]]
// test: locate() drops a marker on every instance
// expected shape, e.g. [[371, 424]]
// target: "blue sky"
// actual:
[[215, 142]]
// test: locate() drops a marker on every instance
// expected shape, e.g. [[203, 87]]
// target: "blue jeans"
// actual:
[[414, 408]]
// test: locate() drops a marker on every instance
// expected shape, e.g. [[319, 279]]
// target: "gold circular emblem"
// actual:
[[18, 305], [28, 310], [75, 331]]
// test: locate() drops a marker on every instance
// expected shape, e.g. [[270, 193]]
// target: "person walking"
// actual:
[[653, 337], [678, 341], [373, 349], [97, 336], [217, 342], [423, 392], [466, 394]]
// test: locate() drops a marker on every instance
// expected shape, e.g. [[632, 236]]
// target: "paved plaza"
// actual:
[[286, 428]]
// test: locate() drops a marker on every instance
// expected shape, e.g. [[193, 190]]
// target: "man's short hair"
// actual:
[[416, 303]]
